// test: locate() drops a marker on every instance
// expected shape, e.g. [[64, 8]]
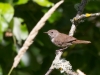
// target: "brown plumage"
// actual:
[[64, 40]]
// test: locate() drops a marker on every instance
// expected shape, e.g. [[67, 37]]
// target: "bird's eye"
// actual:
[[51, 32]]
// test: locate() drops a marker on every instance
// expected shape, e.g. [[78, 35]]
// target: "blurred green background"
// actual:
[[18, 17]]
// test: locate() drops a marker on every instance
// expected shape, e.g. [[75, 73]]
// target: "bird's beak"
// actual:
[[45, 32]]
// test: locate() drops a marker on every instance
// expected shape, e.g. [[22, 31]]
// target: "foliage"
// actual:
[[18, 17], [6, 14]]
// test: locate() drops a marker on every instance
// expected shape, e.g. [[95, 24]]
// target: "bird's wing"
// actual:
[[66, 38], [63, 40]]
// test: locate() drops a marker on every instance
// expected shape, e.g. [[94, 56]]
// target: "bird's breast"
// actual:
[[52, 39]]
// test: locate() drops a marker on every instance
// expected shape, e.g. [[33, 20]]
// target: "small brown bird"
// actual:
[[63, 40]]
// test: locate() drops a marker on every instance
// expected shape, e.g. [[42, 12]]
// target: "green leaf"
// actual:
[[21, 2], [1, 35], [44, 3], [20, 31], [24, 32], [7, 11], [3, 25], [6, 14], [55, 16]]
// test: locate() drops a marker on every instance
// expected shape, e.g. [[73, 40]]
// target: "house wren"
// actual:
[[63, 40]]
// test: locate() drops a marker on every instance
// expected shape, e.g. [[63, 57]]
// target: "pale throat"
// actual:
[[52, 38]]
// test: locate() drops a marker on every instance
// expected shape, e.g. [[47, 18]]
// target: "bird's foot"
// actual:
[[62, 49], [57, 51]]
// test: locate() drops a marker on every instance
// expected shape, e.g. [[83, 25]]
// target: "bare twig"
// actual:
[[74, 21], [49, 71], [80, 72], [33, 33], [70, 72], [57, 58], [74, 24], [86, 16], [81, 7], [72, 30]]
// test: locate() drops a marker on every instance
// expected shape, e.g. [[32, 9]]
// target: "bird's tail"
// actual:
[[81, 42]]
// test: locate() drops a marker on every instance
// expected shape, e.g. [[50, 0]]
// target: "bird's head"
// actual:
[[52, 33]]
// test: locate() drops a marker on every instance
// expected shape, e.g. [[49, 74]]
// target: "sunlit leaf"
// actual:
[[3, 24], [7, 11], [24, 32], [20, 31], [45, 3], [1, 35], [6, 14], [21, 2], [16, 29]]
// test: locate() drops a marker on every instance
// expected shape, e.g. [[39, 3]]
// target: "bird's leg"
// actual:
[[62, 49]]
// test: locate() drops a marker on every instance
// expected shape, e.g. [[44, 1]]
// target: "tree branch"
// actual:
[[81, 7], [75, 20]]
